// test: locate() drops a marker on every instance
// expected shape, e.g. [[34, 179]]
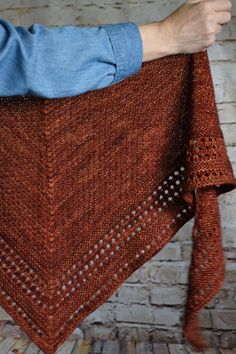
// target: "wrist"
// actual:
[[157, 41]]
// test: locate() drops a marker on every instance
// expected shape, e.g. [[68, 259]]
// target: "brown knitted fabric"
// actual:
[[93, 186]]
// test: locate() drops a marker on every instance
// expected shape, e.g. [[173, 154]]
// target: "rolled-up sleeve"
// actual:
[[127, 45], [55, 62]]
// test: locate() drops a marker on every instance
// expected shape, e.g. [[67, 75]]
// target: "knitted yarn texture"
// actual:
[[95, 185]]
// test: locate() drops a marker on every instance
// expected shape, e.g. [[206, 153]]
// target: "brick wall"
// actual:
[[149, 305]]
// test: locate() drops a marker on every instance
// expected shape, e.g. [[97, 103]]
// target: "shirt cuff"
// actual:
[[127, 45]]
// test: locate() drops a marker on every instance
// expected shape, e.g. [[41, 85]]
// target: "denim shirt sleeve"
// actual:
[[55, 62]]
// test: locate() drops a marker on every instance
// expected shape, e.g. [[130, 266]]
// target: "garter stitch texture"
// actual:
[[93, 186]]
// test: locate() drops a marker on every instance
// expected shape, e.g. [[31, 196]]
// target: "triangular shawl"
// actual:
[[93, 186]]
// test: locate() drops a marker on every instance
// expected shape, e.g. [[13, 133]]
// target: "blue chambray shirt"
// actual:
[[55, 62]]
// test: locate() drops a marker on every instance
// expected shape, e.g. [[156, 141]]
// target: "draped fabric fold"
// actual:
[[95, 185], [206, 272], [208, 171]]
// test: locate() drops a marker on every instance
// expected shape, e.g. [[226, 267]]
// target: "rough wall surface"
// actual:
[[149, 305]]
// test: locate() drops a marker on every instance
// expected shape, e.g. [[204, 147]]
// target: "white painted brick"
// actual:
[[234, 168], [230, 275], [37, 3], [142, 335], [223, 319], [169, 272], [15, 5], [113, 297], [171, 251], [227, 112], [228, 30], [213, 339], [133, 294], [229, 132], [102, 314], [229, 235], [211, 303], [166, 335], [231, 150], [140, 275], [4, 4], [221, 50], [127, 331], [205, 318], [226, 298], [92, 12], [167, 316], [228, 213], [230, 253], [4, 316], [96, 331], [233, 10], [228, 340], [134, 313], [88, 12], [184, 233], [186, 250], [167, 295], [224, 80], [10, 329], [228, 198], [134, 277]]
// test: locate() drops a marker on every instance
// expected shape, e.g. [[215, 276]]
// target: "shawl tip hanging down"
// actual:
[[95, 185]]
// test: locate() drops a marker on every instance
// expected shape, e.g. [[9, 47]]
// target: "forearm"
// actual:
[[191, 28], [67, 60], [156, 41]]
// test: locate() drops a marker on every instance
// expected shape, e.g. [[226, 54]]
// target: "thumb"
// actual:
[[194, 1]]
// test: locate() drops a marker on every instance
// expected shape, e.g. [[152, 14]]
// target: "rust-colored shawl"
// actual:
[[93, 186]]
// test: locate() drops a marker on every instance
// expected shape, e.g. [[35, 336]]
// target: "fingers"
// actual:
[[222, 17], [217, 13], [220, 5], [217, 5]]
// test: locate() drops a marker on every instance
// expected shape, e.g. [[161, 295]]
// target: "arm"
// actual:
[[66, 61], [191, 28], [69, 60]]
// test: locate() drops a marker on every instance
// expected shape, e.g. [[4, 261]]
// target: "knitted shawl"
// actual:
[[93, 186]]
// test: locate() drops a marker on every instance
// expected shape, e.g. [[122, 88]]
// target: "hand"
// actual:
[[189, 29], [194, 25]]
